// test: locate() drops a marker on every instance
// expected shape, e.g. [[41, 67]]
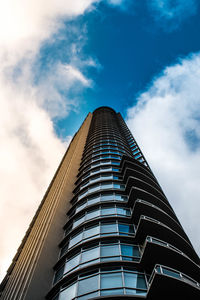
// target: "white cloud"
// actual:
[[170, 14], [30, 150], [166, 124]]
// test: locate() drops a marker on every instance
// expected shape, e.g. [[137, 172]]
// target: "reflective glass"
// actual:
[[126, 228], [90, 231], [92, 214], [94, 188], [108, 211], [110, 250], [107, 197], [130, 279], [130, 250], [123, 211], [69, 293], [111, 280], [106, 186], [80, 207], [108, 227], [112, 292], [170, 273], [75, 239], [88, 285], [93, 200], [79, 221], [90, 254], [72, 263]]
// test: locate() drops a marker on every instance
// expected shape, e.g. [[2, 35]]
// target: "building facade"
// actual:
[[105, 229]]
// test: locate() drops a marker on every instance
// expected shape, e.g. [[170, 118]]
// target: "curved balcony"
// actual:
[[168, 283], [136, 182], [139, 193], [157, 251], [148, 226], [142, 207]]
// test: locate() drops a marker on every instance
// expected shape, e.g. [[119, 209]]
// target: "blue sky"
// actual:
[[130, 48], [61, 59]]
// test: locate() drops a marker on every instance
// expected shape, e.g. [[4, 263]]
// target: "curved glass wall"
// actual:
[[104, 282]]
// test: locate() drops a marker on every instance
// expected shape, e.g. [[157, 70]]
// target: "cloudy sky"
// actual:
[[61, 59]]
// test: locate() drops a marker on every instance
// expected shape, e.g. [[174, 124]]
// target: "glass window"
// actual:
[[92, 214], [91, 231], [69, 293], [88, 285], [90, 254], [108, 211], [134, 280], [80, 206], [106, 186], [108, 227], [170, 273], [111, 280], [123, 211], [125, 228], [110, 250], [79, 221], [93, 200], [72, 263], [75, 239], [130, 250], [107, 197], [112, 292], [94, 188]]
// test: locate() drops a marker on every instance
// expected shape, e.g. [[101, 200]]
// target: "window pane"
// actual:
[[108, 227], [90, 254], [72, 263], [79, 221], [134, 280], [130, 250], [94, 188], [141, 282], [78, 208], [92, 214], [171, 273], [125, 228], [123, 211], [107, 197], [130, 279], [110, 250], [75, 239], [108, 211], [93, 200], [88, 285], [90, 231], [69, 293], [112, 292], [111, 280], [106, 186]]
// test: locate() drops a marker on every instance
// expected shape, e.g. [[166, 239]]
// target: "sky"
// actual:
[[61, 59]]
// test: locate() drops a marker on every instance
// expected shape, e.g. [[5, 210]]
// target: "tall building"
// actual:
[[104, 229]]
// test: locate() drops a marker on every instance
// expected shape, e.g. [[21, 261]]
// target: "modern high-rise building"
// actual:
[[105, 229]]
